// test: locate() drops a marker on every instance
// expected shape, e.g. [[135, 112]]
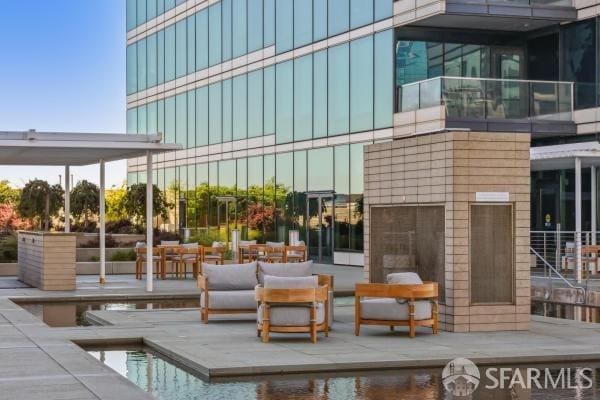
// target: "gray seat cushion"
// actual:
[[300, 282], [229, 300], [291, 315], [283, 269], [390, 309], [275, 244], [230, 276], [404, 278]]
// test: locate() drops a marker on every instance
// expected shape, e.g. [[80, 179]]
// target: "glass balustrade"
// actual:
[[482, 98]]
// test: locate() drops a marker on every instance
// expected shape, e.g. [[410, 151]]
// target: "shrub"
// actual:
[[165, 235], [123, 226], [95, 243], [123, 255], [206, 238], [8, 247]]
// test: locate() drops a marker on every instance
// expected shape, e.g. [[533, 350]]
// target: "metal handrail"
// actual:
[[565, 280], [485, 79]]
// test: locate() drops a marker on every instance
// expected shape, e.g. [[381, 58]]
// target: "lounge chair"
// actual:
[[292, 304], [404, 301]]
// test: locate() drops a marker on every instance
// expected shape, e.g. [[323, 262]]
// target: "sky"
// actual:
[[62, 68]]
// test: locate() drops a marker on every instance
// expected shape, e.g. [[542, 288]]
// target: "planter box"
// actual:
[[84, 239], [47, 260]]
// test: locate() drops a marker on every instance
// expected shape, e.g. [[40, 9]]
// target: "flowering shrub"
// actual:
[[11, 221]]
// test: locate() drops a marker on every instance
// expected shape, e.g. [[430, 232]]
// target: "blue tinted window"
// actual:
[[383, 9], [131, 69], [240, 32], [284, 22], [361, 13], [181, 49], [141, 65], [191, 44], [255, 103], [170, 120], [269, 22], [320, 169], [227, 29], [169, 4], [269, 100], [255, 25], [320, 94], [132, 120], [131, 14], [214, 113], [214, 34], [240, 107], [160, 59], [178, 2], [202, 39], [285, 102], [141, 12], [338, 94], [142, 120], [150, 9], [202, 116], [303, 98], [320, 19], [338, 16], [302, 22], [170, 53], [384, 79], [152, 113], [227, 110], [191, 119], [151, 53], [160, 7], [361, 84]]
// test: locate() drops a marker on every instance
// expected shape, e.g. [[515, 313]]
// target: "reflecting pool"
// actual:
[[71, 313], [164, 379]]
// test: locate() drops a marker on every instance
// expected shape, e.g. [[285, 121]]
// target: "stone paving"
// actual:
[[39, 362]]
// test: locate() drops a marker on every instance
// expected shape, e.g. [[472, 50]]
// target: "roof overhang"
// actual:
[[563, 156], [76, 149]]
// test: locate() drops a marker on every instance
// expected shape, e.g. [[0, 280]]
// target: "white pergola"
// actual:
[[81, 149], [577, 156]]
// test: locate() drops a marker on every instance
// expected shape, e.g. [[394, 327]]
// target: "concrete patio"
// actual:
[[39, 362]]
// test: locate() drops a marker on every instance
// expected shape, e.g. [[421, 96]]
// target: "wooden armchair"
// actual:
[[158, 257], [295, 254], [257, 252], [189, 253], [215, 254], [394, 304], [292, 304]]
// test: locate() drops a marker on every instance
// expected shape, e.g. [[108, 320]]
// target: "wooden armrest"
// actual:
[[202, 283], [325, 280], [308, 295], [426, 290]]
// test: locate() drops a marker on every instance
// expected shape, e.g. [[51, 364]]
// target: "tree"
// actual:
[[135, 202], [115, 204], [85, 201], [10, 221], [40, 200], [8, 194]]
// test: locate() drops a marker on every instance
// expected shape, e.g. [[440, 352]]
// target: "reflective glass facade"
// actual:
[[339, 90]]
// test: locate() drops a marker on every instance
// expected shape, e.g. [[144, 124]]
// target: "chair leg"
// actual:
[[411, 319], [357, 315], [266, 323], [205, 315], [313, 324], [392, 328], [357, 328]]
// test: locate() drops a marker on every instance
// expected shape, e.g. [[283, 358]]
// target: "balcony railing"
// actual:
[[484, 98], [563, 3]]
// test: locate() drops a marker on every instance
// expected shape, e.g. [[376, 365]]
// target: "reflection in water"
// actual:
[[165, 380], [61, 314]]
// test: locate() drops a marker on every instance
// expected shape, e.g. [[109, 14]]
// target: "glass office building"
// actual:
[[274, 100]]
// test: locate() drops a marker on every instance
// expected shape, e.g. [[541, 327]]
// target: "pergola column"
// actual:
[[67, 199], [578, 264], [102, 224], [149, 216]]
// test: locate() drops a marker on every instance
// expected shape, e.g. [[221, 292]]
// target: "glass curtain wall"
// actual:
[[232, 28], [271, 193], [343, 89]]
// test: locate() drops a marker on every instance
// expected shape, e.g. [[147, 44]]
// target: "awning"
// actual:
[[562, 156]]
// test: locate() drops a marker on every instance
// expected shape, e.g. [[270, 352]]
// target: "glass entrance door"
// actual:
[[319, 226]]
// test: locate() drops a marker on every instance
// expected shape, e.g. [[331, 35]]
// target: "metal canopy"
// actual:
[[75, 149], [78, 149], [562, 156]]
